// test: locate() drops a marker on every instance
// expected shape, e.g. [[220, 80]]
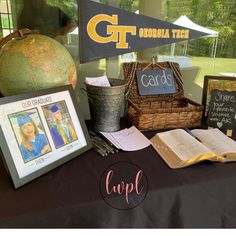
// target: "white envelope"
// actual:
[[101, 81]]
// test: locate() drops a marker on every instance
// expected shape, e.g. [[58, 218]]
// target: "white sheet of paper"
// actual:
[[128, 139], [101, 81], [111, 139]]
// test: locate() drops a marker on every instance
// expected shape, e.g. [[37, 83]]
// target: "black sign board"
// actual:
[[153, 82], [222, 110]]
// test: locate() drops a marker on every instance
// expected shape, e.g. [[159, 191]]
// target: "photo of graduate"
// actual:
[[30, 134], [60, 124]]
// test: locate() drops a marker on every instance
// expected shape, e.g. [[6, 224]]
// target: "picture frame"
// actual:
[[215, 82], [40, 131]]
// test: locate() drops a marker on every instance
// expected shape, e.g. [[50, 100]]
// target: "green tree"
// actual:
[[219, 15], [130, 5], [69, 7]]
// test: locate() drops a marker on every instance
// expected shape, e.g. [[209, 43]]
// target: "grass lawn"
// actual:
[[215, 66]]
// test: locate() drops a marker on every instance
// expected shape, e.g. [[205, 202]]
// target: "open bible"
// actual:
[[178, 148]]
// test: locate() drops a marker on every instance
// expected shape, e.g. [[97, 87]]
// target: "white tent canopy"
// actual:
[[186, 22]]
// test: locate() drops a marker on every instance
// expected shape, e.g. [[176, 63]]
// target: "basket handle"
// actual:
[[131, 78], [17, 34], [177, 74], [152, 63], [135, 107]]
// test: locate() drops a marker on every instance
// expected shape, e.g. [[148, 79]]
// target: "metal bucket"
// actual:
[[105, 105]]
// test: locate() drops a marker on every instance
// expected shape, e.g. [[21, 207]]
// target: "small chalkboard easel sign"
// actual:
[[220, 83], [222, 110], [154, 82]]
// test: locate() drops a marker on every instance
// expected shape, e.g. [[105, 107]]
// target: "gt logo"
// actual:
[[116, 33]]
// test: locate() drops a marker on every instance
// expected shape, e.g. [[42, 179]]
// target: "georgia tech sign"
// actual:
[[118, 33]]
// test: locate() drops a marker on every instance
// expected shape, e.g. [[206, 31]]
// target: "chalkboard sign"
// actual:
[[153, 82], [222, 110]]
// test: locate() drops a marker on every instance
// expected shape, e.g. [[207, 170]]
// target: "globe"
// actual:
[[34, 62]]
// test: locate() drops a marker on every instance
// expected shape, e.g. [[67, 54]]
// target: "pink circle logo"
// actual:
[[123, 185]]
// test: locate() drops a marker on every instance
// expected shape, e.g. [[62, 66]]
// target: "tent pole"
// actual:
[[216, 44], [213, 48], [213, 54], [185, 48], [172, 49]]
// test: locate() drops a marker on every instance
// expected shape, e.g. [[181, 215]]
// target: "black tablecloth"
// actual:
[[203, 195]]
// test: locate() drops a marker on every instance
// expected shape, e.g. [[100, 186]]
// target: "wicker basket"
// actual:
[[159, 111]]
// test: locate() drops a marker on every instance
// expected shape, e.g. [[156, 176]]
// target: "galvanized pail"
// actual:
[[105, 105]]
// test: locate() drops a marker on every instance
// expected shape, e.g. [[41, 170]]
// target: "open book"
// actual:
[[179, 149]]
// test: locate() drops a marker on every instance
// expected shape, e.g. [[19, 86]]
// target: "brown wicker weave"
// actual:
[[159, 111]]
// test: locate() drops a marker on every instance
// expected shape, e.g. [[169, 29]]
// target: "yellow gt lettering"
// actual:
[[92, 25], [116, 33]]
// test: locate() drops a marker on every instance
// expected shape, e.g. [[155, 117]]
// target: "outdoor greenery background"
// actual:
[[219, 15]]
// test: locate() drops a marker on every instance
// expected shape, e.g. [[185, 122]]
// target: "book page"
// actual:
[[217, 141], [183, 144]]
